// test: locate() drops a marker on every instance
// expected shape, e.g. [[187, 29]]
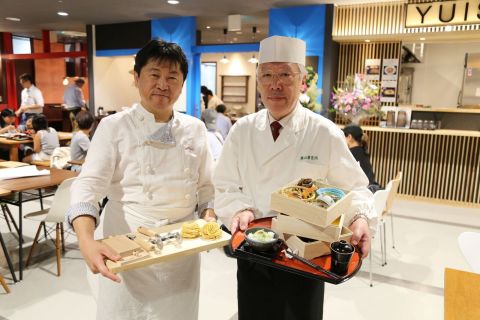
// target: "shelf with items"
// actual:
[[235, 89]]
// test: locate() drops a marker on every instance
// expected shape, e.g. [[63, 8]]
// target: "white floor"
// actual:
[[410, 286]]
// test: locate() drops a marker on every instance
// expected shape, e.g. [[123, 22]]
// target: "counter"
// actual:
[[439, 165]]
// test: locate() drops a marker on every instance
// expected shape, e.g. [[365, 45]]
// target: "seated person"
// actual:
[[357, 142], [80, 140], [7, 120], [45, 140], [27, 127]]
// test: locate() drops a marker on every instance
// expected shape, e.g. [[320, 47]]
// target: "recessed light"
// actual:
[[238, 32], [63, 14], [173, 1], [422, 39], [12, 19], [367, 40], [208, 27]]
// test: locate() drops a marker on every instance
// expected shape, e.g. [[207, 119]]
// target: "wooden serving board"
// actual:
[[170, 250]]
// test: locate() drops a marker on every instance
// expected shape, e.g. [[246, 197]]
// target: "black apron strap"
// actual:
[[268, 293]]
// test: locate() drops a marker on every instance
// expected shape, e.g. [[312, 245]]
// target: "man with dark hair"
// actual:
[[32, 98], [154, 165], [223, 122]]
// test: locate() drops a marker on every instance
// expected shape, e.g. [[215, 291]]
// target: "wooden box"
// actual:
[[310, 212], [312, 249], [290, 225]]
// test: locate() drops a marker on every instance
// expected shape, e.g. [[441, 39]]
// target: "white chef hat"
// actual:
[[282, 49]]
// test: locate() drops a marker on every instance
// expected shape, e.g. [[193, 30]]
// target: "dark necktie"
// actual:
[[275, 126]]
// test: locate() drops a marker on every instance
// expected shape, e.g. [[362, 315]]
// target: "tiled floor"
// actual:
[[410, 286]]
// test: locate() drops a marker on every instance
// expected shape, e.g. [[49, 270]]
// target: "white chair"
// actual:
[[56, 214], [383, 202], [469, 243], [379, 204]]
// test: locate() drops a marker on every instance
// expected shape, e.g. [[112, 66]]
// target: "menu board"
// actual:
[[372, 69], [390, 70]]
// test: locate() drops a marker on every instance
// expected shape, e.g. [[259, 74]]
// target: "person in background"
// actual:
[[45, 140], [159, 181], [213, 100], [81, 139], [223, 122], [27, 127], [357, 142], [204, 101], [264, 152], [7, 121], [32, 98], [215, 139], [74, 101]]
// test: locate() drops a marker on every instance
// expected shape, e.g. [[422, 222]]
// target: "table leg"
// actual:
[[13, 153], [20, 247]]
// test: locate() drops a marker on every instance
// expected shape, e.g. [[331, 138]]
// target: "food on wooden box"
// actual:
[[211, 231], [190, 230]]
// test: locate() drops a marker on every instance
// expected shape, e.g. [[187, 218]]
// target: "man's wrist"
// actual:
[[359, 216]]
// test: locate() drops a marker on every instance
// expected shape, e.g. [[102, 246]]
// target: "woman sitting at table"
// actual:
[[80, 140], [7, 120], [45, 140]]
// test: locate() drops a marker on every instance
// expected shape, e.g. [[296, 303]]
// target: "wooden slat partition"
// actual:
[[352, 58], [382, 19], [440, 165]]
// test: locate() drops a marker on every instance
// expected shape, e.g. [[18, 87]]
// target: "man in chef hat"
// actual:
[[264, 152]]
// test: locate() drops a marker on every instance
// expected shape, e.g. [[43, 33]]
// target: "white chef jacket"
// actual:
[[252, 166], [32, 96], [148, 183]]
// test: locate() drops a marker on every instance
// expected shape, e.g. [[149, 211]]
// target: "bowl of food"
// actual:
[[260, 238]]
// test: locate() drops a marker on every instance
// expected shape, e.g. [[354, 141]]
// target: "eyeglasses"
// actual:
[[286, 78]]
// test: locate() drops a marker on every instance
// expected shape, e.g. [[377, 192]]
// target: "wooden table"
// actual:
[[18, 186], [77, 162], [14, 144], [462, 295]]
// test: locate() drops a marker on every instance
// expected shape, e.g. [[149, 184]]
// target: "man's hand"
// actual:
[[19, 112], [95, 254], [241, 220], [361, 235], [208, 215]]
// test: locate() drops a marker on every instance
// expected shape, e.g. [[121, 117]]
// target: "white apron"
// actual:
[[167, 290]]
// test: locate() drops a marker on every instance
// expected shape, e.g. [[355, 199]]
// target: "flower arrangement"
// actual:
[[357, 99], [310, 92]]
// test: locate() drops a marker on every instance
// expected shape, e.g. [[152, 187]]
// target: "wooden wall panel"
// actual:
[[443, 167]]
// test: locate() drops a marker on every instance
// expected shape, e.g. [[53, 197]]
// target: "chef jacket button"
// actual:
[[186, 170], [149, 195], [187, 196], [150, 170], [140, 117]]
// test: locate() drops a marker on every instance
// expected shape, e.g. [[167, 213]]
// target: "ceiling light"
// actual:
[[208, 27], [238, 32], [422, 39], [63, 14], [173, 1], [253, 59], [12, 18], [65, 81], [367, 40], [224, 60]]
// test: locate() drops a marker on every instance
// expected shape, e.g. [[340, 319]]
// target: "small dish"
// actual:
[[260, 245]]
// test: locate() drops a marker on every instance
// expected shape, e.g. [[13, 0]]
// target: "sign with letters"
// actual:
[[442, 13]]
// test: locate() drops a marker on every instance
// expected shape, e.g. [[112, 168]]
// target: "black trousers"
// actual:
[[268, 293]]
